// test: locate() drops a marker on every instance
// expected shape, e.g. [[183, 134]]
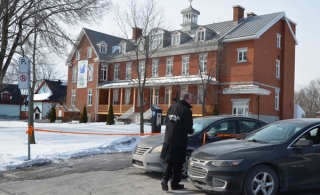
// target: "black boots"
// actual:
[[176, 186], [164, 184]]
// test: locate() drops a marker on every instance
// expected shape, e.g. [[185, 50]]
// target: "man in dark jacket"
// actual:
[[179, 124]]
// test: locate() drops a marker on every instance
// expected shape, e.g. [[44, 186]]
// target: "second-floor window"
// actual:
[[116, 71], [175, 39], [242, 54], [278, 40], [104, 72], [89, 52], [74, 74], [78, 55], [128, 70], [169, 67], [278, 69], [89, 98], [142, 69], [90, 72], [155, 67], [185, 65], [5, 97], [203, 63], [73, 97]]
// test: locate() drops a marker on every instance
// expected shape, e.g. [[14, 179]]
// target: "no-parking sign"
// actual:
[[23, 81]]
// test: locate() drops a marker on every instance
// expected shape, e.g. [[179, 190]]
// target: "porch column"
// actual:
[[121, 100], [153, 94], [170, 91], [109, 99], [134, 98], [187, 88]]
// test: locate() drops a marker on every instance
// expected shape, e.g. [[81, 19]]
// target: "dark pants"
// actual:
[[176, 169]]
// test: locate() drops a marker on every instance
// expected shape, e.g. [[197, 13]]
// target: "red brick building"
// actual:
[[245, 66]]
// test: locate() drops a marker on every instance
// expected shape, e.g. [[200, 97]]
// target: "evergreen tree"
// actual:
[[84, 118], [110, 117], [53, 113]]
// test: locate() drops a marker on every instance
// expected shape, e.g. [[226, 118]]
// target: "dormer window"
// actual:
[[156, 40], [122, 48], [78, 55], [176, 39], [201, 35], [141, 43], [103, 48], [5, 96]]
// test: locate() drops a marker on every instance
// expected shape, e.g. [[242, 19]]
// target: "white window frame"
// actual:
[[122, 48], [200, 94], [90, 72], [278, 40], [242, 54], [276, 99], [156, 41], [240, 107], [278, 69], [78, 55], [73, 98], [169, 66], [116, 70], [89, 98], [201, 35], [116, 97], [175, 40], [74, 74], [166, 95], [155, 67], [89, 52], [203, 63], [142, 69], [141, 44], [128, 70], [103, 48], [185, 65], [127, 96], [104, 73]]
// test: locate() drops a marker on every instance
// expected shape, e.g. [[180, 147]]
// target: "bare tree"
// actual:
[[148, 19]]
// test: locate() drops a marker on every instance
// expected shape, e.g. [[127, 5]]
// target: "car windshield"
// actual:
[[277, 132], [201, 123]]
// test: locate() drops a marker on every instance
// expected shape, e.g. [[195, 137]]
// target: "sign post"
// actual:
[[24, 83]]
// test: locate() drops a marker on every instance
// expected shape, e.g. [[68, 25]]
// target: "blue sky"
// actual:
[[304, 13]]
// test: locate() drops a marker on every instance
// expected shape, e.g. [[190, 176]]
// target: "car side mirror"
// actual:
[[211, 134], [303, 143]]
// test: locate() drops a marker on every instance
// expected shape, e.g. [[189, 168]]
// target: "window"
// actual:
[[116, 71], [278, 69], [127, 96], [200, 36], [203, 63], [185, 65], [141, 44], [169, 66], [90, 72], [240, 107], [141, 69], [156, 41], [247, 126], [242, 54], [200, 94], [103, 48], [122, 48], [155, 67], [166, 97], [278, 40], [104, 73], [74, 74], [73, 98], [175, 39], [277, 94], [5, 97], [89, 98], [128, 70], [115, 96], [228, 127], [89, 52], [78, 55]]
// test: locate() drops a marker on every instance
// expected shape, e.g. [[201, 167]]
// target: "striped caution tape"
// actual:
[[95, 133]]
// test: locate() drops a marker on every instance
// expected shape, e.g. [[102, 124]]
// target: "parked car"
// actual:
[[281, 156], [146, 154]]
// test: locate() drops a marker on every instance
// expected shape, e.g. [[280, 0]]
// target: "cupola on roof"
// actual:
[[190, 18]]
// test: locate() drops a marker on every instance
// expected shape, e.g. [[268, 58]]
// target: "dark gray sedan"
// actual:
[[146, 154]]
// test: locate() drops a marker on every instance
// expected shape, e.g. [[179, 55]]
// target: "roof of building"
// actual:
[[58, 89], [15, 93]]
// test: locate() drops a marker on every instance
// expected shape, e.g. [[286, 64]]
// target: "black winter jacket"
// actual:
[[179, 124]]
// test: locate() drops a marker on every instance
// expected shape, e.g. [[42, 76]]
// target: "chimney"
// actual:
[[251, 14], [136, 33], [238, 13]]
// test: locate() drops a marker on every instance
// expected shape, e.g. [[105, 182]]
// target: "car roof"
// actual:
[[216, 118], [303, 121]]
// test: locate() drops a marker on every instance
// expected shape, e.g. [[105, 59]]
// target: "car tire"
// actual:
[[184, 173], [261, 180]]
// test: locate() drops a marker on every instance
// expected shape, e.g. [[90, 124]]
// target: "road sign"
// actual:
[[24, 64], [23, 81]]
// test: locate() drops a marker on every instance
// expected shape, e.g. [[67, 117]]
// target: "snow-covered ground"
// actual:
[[51, 147]]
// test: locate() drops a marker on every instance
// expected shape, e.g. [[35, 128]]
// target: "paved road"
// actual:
[[94, 175]]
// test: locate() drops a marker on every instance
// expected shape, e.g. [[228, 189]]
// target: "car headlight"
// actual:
[[157, 149], [226, 163]]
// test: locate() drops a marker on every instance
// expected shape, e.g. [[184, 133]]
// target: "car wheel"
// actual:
[[261, 180], [184, 173]]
